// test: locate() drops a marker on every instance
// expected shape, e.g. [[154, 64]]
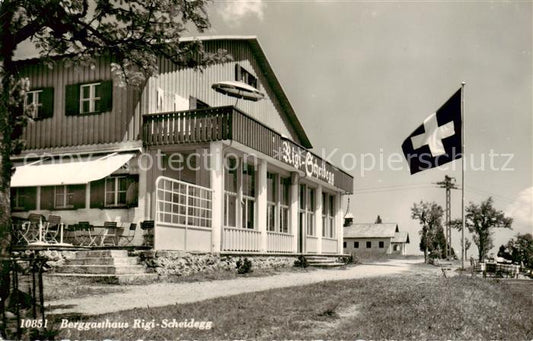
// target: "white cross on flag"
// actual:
[[438, 140]]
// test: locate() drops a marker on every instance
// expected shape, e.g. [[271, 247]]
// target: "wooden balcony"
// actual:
[[226, 123]]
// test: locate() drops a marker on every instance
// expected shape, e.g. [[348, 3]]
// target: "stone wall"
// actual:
[[179, 263]]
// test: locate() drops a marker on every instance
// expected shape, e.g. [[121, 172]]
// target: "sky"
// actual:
[[362, 75]]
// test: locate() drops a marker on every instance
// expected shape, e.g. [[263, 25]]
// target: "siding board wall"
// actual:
[[122, 124], [186, 82]]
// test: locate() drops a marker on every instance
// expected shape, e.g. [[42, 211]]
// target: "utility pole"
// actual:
[[448, 184]]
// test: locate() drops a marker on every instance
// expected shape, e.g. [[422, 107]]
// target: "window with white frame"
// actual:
[[248, 196], [33, 103], [302, 207], [230, 192], [272, 198], [328, 212], [63, 196], [310, 211], [325, 226], [284, 204], [90, 98], [116, 188], [331, 217]]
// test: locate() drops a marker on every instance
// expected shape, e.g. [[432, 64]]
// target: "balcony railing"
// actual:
[[224, 123]]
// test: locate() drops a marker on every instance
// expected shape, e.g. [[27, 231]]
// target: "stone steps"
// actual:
[[104, 266], [101, 253], [323, 262], [102, 261], [101, 269], [111, 278]]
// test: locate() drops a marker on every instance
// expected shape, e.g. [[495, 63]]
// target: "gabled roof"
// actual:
[[386, 230], [267, 72], [273, 81], [400, 237]]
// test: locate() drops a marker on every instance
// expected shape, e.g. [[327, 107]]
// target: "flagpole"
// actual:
[[463, 217]]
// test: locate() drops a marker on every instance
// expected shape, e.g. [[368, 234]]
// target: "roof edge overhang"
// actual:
[[270, 76], [263, 63]]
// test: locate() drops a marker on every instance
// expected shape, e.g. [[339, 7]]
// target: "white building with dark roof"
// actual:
[[384, 238]]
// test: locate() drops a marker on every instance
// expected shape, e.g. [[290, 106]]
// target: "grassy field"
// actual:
[[398, 307]]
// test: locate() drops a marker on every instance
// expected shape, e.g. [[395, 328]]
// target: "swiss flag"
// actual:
[[437, 141]]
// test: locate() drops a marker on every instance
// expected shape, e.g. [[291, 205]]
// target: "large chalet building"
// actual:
[[214, 173]]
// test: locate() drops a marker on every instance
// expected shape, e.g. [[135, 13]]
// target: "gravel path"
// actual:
[[162, 294]]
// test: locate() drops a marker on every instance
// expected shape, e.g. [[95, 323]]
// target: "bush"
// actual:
[[244, 266], [351, 259], [301, 262]]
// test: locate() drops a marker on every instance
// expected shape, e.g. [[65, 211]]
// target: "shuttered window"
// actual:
[[63, 197], [23, 198], [89, 98], [39, 103]]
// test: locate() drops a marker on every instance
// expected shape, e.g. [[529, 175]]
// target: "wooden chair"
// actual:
[[84, 234], [33, 228], [110, 236], [53, 228], [128, 235]]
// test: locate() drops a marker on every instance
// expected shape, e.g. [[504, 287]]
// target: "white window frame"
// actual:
[[92, 99], [328, 218], [35, 103], [115, 190], [284, 210], [248, 201], [272, 206], [66, 194], [310, 194], [231, 196]]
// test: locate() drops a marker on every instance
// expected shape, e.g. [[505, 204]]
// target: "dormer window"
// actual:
[[243, 75]]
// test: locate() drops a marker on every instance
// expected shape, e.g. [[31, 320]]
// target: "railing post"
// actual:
[[216, 170]]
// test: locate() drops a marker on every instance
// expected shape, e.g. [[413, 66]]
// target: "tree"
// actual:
[[429, 215], [480, 220], [133, 32], [521, 249], [378, 220]]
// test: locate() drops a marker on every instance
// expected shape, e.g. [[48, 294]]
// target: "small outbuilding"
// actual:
[[375, 238]]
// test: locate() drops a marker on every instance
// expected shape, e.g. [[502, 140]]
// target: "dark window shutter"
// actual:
[[47, 198], [237, 72], [106, 101], [132, 193], [47, 100], [72, 99], [78, 196], [97, 193]]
